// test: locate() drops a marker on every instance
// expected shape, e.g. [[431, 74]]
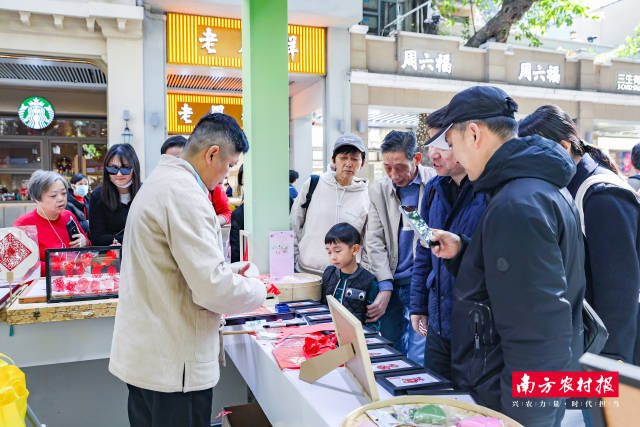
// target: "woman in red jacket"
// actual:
[[49, 191]]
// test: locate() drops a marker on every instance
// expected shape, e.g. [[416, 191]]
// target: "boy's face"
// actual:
[[341, 255]]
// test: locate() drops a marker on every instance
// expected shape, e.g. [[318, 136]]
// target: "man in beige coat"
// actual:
[[175, 283]]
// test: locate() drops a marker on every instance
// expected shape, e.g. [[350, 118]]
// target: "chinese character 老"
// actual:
[[525, 385], [185, 113], [292, 46], [553, 74], [427, 62], [546, 387], [209, 40], [443, 63], [410, 59], [525, 71], [539, 74]]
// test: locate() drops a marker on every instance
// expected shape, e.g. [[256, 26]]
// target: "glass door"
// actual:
[[19, 158]]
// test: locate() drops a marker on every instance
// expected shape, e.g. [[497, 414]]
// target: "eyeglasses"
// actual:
[[113, 170]]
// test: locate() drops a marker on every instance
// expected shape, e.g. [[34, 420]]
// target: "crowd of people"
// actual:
[[530, 226], [528, 222]]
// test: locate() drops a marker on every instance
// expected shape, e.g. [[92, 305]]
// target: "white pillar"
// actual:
[[124, 86], [302, 159]]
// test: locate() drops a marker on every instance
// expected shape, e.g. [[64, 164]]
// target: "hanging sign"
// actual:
[[184, 110], [36, 112], [217, 42]]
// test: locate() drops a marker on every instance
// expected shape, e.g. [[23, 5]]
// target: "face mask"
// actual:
[[82, 190], [127, 185]]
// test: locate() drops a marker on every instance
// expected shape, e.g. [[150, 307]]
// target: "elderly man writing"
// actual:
[[175, 283]]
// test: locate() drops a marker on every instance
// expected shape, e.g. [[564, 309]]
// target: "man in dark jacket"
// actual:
[[449, 204], [520, 279]]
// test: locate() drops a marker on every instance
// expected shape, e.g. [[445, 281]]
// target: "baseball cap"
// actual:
[[477, 102], [349, 139]]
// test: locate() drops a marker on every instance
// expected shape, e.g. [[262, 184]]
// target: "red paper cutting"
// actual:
[[13, 251]]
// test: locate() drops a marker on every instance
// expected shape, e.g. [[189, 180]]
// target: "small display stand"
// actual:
[[352, 352]]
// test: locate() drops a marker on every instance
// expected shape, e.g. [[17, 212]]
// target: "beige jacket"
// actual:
[[174, 284], [331, 204], [384, 223]]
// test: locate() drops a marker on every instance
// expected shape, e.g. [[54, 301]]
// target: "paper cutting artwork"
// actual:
[[12, 251], [390, 365], [411, 379]]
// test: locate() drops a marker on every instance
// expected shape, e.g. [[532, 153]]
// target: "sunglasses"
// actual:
[[113, 170]]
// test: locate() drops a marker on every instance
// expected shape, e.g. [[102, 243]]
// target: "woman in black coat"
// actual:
[[78, 199], [111, 201], [612, 236]]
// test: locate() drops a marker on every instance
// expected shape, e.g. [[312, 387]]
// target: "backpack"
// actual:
[[595, 332], [312, 187]]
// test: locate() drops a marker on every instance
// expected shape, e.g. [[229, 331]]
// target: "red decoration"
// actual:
[[273, 290], [13, 251], [58, 284], [70, 286], [86, 259], [83, 285], [94, 287], [316, 346], [112, 255], [57, 263], [80, 271], [96, 270], [68, 269], [112, 271]]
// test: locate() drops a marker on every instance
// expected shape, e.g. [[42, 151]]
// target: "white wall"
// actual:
[[617, 21], [301, 158]]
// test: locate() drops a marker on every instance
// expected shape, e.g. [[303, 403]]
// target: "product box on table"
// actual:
[[418, 380], [393, 364], [312, 319], [80, 274]]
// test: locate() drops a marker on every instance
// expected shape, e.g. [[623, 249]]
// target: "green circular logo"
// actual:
[[36, 112]]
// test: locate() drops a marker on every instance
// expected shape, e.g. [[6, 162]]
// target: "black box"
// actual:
[[399, 383]]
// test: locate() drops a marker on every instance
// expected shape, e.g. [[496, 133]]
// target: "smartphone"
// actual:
[[72, 228], [419, 226]]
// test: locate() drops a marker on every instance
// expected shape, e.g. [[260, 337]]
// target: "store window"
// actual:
[[68, 146]]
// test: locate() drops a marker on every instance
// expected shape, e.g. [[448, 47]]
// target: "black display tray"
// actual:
[[399, 383]]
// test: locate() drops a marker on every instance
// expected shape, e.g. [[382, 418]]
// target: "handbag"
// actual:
[[595, 333], [13, 394]]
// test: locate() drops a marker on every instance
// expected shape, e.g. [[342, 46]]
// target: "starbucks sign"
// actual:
[[36, 112]]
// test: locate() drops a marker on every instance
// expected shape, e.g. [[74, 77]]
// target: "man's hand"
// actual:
[[419, 323], [376, 309], [79, 241], [450, 244]]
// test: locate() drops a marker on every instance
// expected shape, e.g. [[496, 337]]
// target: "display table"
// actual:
[[287, 400], [41, 312]]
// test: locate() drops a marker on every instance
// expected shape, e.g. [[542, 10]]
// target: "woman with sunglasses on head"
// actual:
[[111, 201]]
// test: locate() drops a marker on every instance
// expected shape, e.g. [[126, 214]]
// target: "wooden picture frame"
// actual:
[[352, 352]]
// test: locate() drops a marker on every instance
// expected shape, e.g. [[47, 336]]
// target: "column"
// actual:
[[124, 85], [155, 88], [265, 92]]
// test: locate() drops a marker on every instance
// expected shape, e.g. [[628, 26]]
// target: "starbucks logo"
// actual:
[[36, 112]]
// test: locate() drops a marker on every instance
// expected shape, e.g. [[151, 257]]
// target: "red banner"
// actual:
[[564, 384]]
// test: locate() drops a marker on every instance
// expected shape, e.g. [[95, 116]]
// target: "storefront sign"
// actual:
[[184, 111], [217, 42], [539, 73], [628, 82], [427, 62], [36, 112]]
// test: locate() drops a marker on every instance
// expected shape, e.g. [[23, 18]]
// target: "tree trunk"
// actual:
[[498, 27]]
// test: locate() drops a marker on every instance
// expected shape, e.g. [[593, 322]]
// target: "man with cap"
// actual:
[[391, 241], [520, 279], [327, 200], [449, 204]]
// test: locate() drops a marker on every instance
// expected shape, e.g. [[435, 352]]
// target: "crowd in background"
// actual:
[[528, 220]]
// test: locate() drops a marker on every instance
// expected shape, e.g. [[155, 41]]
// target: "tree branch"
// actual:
[[498, 27]]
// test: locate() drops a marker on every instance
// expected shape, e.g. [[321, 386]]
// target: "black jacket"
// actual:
[[237, 224], [77, 208], [521, 280], [105, 225], [355, 292], [612, 245]]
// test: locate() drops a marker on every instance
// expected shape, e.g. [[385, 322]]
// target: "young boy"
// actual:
[[345, 280]]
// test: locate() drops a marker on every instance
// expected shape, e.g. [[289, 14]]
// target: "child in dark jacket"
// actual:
[[349, 283]]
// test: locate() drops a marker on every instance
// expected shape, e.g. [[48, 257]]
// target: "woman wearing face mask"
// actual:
[[111, 201], [77, 200], [49, 191]]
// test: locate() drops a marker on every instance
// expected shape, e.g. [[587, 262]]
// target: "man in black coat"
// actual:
[[520, 280]]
